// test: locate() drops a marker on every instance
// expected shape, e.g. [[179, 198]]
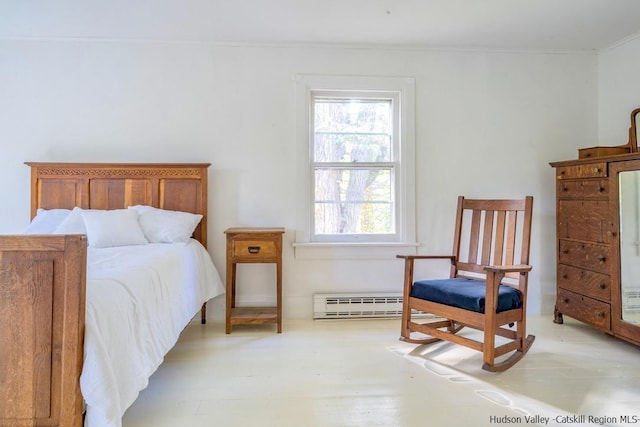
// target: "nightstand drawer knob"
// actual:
[[253, 249]]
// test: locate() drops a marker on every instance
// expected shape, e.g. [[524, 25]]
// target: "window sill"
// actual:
[[304, 250]]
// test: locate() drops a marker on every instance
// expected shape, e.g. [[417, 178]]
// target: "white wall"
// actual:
[[618, 90], [488, 124]]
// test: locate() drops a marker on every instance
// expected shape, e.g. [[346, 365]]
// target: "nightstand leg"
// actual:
[[279, 295], [231, 294]]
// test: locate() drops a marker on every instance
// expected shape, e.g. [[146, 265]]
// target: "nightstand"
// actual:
[[253, 245]]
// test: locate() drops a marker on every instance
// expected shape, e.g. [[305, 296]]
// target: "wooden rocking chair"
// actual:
[[487, 286]]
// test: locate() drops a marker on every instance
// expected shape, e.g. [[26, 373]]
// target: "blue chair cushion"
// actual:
[[463, 293]]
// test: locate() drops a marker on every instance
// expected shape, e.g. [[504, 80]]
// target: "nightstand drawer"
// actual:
[[249, 249]]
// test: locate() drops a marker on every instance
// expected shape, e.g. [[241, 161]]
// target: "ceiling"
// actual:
[[495, 24]]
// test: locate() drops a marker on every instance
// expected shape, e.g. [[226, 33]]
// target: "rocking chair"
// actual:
[[487, 286]]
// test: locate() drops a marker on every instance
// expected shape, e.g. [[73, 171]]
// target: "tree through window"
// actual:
[[353, 165], [356, 157]]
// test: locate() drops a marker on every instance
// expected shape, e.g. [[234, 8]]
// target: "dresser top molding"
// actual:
[[605, 159]]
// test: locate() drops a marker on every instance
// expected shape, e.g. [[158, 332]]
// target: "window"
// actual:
[[356, 138], [353, 168]]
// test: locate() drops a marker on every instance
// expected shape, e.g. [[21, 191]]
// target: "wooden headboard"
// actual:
[[172, 186]]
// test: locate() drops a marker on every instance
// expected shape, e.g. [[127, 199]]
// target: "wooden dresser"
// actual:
[[589, 279]]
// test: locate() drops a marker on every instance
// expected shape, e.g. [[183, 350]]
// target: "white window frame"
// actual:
[[402, 91]]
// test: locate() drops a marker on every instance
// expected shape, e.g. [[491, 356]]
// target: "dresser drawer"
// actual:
[[591, 170], [254, 249], [584, 220], [583, 189], [583, 308], [585, 282], [589, 256]]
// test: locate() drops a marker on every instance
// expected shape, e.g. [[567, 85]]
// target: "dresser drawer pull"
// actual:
[[602, 259], [253, 249], [603, 286], [601, 314]]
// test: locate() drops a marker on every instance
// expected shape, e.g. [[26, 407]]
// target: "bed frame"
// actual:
[[43, 278]]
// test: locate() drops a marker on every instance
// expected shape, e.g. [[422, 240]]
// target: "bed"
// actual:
[[88, 315]]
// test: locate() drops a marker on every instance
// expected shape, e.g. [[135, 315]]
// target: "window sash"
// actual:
[[369, 209], [342, 218]]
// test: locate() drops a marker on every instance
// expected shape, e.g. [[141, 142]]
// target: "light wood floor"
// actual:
[[357, 373]]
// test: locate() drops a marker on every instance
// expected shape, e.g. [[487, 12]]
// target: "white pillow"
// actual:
[[108, 228], [46, 221], [72, 224], [165, 226]]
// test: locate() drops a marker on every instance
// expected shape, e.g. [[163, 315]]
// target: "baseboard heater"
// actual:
[[359, 305], [631, 299]]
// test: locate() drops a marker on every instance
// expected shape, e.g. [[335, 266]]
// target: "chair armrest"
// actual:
[[522, 268]]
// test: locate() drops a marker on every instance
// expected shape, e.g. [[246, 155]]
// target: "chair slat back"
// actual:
[[491, 232], [488, 235], [510, 247], [497, 252], [474, 235]]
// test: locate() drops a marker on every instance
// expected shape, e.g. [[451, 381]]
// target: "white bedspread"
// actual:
[[139, 299]]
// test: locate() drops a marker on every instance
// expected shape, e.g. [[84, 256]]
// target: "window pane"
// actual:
[[351, 147], [350, 200], [356, 130]]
